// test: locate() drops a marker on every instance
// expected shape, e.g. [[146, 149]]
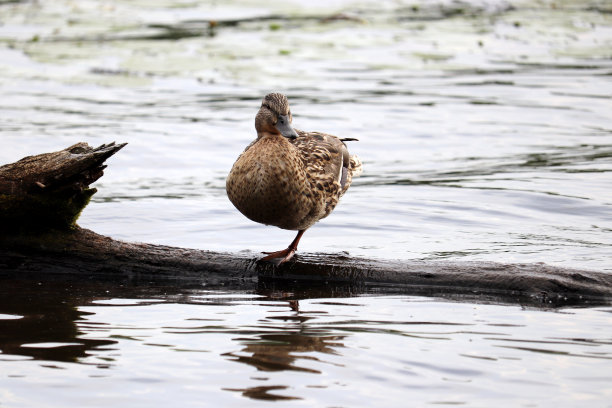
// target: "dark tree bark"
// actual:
[[42, 196]]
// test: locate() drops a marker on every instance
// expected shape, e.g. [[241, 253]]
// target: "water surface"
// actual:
[[123, 345], [485, 132]]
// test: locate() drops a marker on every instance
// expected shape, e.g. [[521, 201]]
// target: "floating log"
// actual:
[[42, 196]]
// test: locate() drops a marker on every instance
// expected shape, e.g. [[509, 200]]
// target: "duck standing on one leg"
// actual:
[[287, 177]]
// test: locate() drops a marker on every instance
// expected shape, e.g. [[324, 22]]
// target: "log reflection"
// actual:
[[45, 327]]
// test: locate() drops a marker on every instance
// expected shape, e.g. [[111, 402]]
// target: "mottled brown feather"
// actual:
[[289, 183]]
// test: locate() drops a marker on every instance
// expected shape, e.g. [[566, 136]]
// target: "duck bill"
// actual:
[[284, 127]]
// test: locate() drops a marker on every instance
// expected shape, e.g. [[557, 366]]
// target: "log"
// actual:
[[52, 246], [50, 190]]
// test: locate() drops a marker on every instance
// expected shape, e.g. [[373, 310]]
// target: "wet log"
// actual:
[[45, 243]]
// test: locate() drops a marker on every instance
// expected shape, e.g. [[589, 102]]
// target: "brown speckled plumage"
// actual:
[[287, 177]]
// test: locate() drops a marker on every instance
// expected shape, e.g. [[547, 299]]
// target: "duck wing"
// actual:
[[325, 157]]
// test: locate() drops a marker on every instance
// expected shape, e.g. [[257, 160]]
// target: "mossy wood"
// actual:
[[42, 196]]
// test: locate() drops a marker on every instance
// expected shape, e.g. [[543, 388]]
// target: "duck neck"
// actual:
[[271, 136]]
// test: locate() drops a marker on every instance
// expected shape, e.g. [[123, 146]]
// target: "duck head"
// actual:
[[274, 117]]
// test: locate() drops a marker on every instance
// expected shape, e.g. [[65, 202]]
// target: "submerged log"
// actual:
[[41, 239]]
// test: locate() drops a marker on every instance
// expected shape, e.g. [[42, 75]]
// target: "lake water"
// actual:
[[116, 345], [486, 135]]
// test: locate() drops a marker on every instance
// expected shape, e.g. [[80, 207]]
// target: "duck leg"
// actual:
[[285, 254]]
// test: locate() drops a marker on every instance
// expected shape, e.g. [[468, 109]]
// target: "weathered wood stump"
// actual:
[[42, 196], [50, 190]]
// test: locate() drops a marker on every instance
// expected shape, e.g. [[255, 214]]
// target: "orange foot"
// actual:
[[285, 254]]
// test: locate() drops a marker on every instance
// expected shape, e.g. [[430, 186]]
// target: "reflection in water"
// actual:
[[47, 329], [263, 393], [289, 345], [284, 342], [283, 350], [277, 351]]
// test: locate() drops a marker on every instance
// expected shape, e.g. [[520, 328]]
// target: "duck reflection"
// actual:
[[264, 393], [277, 352], [291, 347]]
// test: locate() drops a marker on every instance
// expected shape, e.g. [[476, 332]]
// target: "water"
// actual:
[[485, 133], [117, 345], [484, 128]]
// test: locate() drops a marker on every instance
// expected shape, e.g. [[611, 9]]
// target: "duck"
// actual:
[[287, 177]]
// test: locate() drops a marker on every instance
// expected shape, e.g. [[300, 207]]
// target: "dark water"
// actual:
[[485, 132]]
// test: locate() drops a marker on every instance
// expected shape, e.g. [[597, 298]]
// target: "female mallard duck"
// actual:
[[287, 177]]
